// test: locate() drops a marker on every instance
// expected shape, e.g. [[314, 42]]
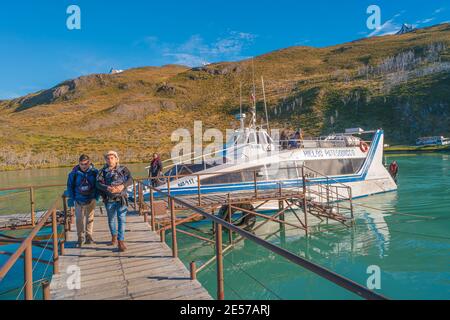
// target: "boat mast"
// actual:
[[253, 109], [241, 115], [265, 103]]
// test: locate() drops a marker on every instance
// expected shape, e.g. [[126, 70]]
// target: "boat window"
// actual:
[[334, 167], [251, 138], [247, 175], [262, 138], [282, 171], [232, 177]]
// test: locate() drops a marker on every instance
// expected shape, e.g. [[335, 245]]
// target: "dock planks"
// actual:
[[146, 271]]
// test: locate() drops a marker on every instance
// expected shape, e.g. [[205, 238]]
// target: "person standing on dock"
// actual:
[[156, 168], [83, 195], [112, 182]]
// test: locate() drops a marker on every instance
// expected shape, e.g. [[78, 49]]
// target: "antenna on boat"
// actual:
[[253, 109], [241, 116], [265, 103]]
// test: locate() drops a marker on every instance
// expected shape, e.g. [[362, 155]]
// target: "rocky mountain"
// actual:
[[405, 29], [398, 82]]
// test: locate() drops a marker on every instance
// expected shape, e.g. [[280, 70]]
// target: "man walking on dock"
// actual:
[[82, 192], [112, 182]]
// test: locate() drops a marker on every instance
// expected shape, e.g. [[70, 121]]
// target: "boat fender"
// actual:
[[364, 147]]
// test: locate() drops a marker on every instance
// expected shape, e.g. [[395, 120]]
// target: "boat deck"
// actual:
[[146, 271]]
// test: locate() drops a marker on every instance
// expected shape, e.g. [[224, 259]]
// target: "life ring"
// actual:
[[364, 147]]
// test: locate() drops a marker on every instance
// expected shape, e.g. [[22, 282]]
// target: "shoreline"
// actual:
[[12, 169], [388, 150], [416, 149]]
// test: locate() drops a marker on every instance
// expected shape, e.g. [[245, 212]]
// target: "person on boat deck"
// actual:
[[393, 169], [113, 181], [284, 139], [156, 168], [293, 142], [83, 195]]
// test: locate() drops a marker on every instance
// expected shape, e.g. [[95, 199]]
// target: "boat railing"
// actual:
[[317, 143], [191, 157], [282, 144]]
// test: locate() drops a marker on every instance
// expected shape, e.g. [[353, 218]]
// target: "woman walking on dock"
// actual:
[[112, 182]]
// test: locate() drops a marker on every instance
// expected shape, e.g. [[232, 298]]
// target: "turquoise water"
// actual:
[[406, 233]]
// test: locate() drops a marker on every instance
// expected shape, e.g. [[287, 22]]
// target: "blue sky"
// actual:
[[37, 50]]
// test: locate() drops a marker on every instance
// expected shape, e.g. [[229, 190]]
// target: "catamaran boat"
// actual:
[[253, 158]]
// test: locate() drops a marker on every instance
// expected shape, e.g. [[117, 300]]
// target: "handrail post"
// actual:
[[162, 235], [305, 203], [199, 191], [219, 261], [144, 208], [328, 192], [229, 220], [33, 207], [152, 209], [134, 194], [45, 290], [141, 196], [256, 186], [66, 219], [193, 269], [55, 243], [28, 272], [174, 228], [61, 247], [351, 203]]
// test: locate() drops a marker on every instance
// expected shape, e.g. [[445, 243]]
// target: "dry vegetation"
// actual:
[[400, 83]]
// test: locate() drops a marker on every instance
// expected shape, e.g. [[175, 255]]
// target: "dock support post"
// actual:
[[193, 269], [55, 243], [162, 234], [33, 207], [28, 272], [174, 229], [219, 260]]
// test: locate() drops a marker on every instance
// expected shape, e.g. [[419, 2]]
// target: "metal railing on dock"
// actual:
[[25, 251], [197, 204], [31, 190], [220, 224]]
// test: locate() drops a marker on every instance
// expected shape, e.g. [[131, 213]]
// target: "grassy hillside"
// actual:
[[400, 83]]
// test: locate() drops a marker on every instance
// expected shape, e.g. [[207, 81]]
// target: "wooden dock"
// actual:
[[146, 271]]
